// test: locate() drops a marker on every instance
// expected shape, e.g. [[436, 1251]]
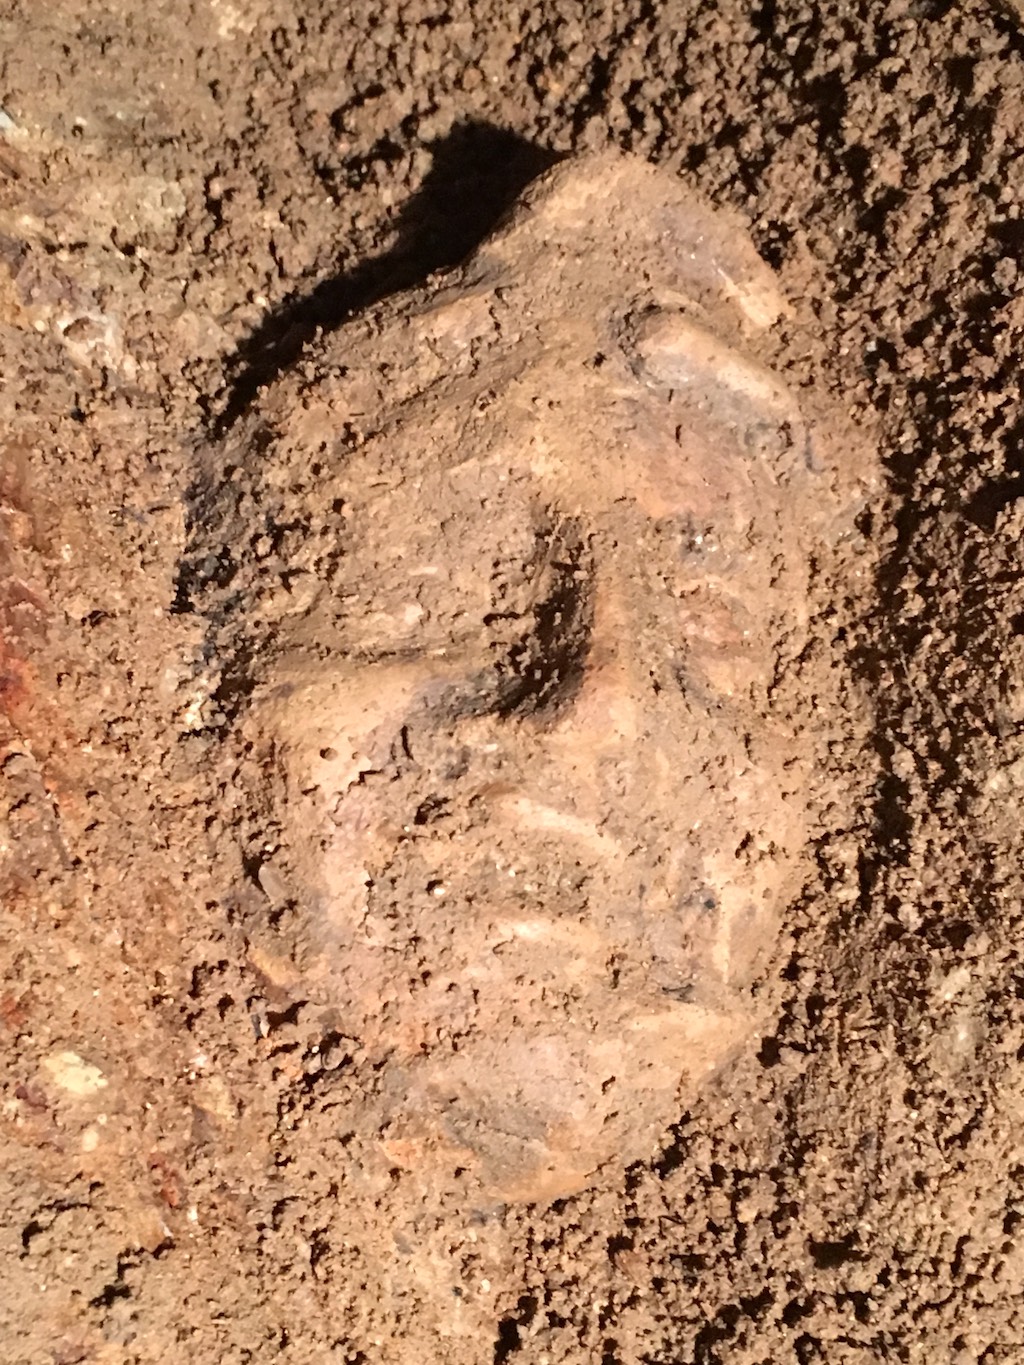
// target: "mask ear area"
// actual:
[[675, 350], [682, 355], [710, 255]]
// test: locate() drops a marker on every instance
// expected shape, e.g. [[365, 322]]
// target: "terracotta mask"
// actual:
[[512, 567]]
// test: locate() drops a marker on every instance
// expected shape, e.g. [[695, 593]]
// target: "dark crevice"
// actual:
[[547, 670]]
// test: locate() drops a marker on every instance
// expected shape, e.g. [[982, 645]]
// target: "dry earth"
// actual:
[[188, 194]]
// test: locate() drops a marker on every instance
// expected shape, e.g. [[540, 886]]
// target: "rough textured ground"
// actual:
[[187, 194]]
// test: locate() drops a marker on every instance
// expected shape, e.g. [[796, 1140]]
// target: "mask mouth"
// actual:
[[534, 1112], [497, 883], [515, 808]]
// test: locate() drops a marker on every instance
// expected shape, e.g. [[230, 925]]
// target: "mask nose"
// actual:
[[598, 744]]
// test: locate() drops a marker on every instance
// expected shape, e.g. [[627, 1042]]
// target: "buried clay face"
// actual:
[[510, 724]]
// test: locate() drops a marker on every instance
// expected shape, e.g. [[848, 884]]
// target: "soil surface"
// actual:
[[227, 1132]]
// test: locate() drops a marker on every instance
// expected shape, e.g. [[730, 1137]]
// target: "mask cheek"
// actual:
[[314, 738]]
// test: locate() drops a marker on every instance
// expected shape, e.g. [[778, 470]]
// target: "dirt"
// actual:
[[232, 1129]]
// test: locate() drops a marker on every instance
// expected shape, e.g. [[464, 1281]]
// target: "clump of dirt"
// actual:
[[188, 197], [505, 584]]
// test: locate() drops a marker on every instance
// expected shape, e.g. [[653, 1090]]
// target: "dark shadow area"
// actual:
[[984, 507], [477, 172], [509, 1339], [831, 1255]]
